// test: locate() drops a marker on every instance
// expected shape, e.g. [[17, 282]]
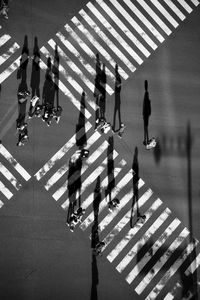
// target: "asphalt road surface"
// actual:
[[40, 258]]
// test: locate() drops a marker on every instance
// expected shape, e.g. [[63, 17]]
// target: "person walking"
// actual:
[[146, 112]]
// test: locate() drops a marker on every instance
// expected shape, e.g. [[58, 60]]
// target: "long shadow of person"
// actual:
[[35, 74], [102, 100], [96, 244], [81, 137], [48, 94], [74, 189], [117, 106], [135, 205], [96, 202], [35, 107], [95, 278], [146, 112], [110, 170], [55, 70], [97, 90]]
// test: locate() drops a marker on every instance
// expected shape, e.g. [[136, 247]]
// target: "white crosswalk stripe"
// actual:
[[160, 285], [10, 50], [109, 43], [115, 252], [174, 245], [69, 79], [6, 154], [185, 5], [84, 63], [5, 191], [10, 183], [175, 9], [155, 247], [133, 23], [9, 176], [165, 13], [143, 240], [117, 36], [98, 46], [154, 16], [126, 219], [92, 157], [104, 223], [144, 20], [4, 38], [59, 154]]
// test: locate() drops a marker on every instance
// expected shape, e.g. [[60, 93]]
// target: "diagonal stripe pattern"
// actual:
[[111, 28], [10, 170]]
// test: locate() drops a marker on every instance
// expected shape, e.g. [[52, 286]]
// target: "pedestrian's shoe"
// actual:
[[34, 100]]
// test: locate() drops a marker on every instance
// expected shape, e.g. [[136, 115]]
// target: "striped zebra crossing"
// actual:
[[114, 226], [10, 169], [94, 30], [104, 27], [10, 51]]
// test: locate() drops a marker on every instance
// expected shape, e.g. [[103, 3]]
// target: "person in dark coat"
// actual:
[[146, 112]]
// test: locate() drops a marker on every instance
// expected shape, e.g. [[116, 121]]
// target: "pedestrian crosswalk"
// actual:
[[9, 50], [10, 170], [123, 32], [150, 254], [153, 255]]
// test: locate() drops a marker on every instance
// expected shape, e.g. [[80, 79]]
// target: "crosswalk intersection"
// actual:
[[125, 32], [10, 170]]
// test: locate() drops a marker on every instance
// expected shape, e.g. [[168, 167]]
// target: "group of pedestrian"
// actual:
[[100, 97], [45, 107], [4, 8]]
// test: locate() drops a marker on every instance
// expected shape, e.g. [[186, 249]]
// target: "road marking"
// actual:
[[4, 38], [92, 157], [143, 240], [4, 190], [126, 219], [120, 185], [115, 252], [155, 17], [59, 154], [84, 63], [154, 248], [110, 44], [98, 46], [14, 163], [115, 34], [172, 270], [8, 54], [133, 23], [163, 259], [185, 6], [144, 20], [175, 9], [8, 175], [123, 202], [88, 181], [165, 13]]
